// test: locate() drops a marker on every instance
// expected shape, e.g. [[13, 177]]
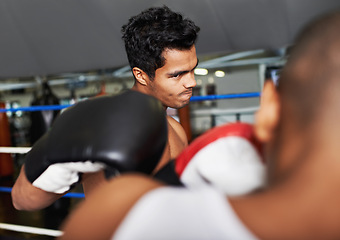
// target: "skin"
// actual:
[[172, 85], [173, 82]]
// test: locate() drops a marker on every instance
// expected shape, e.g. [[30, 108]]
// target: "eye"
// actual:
[[176, 75]]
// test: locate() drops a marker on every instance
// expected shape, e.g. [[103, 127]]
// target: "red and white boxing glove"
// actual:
[[227, 156]]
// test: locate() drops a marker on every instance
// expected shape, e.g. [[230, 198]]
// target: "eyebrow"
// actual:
[[182, 72]]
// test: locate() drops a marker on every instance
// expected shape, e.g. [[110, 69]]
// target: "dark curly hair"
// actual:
[[149, 33]]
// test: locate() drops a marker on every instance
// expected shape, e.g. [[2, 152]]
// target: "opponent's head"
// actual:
[[160, 46], [312, 74], [306, 102]]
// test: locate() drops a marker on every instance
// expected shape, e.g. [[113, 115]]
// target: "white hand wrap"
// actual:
[[58, 178]]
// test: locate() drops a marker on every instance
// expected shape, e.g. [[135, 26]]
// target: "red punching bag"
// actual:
[[6, 162]]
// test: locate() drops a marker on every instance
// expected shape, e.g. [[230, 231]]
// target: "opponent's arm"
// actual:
[[107, 207]]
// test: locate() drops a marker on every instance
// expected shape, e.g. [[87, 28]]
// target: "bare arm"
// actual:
[[27, 197], [177, 141], [100, 215], [179, 130]]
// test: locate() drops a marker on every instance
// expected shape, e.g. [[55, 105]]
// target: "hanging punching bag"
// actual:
[[6, 162], [41, 121], [102, 91]]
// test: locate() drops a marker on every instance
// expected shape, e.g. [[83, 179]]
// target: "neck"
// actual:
[[138, 88]]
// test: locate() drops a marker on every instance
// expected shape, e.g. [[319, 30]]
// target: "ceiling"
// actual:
[[49, 37]]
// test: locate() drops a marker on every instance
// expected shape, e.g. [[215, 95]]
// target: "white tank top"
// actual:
[[178, 213]]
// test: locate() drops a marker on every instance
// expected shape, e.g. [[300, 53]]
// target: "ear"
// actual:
[[140, 76], [267, 117]]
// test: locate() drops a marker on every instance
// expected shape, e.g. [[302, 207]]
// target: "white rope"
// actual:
[[216, 111], [32, 230], [21, 150]]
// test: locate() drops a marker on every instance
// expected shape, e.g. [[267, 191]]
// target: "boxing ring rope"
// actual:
[[224, 96], [24, 150], [35, 108], [31, 230], [207, 112], [20, 150], [67, 195]]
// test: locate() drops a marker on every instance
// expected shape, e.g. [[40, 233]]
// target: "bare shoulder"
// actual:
[[177, 141], [178, 129]]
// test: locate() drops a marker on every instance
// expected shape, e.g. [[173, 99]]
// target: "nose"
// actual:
[[190, 81]]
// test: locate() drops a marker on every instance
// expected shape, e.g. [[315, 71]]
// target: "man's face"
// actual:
[[173, 82]]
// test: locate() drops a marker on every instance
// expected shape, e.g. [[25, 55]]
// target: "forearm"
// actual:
[[27, 197]]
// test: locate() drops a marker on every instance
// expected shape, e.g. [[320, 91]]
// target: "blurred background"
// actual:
[[61, 52]]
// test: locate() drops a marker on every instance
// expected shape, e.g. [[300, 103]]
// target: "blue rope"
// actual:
[[193, 99], [67, 195], [35, 108], [225, 96]]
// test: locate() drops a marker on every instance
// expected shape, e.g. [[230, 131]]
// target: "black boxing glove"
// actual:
[[126, 132]]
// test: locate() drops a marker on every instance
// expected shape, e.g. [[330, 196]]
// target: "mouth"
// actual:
[[187, 93]]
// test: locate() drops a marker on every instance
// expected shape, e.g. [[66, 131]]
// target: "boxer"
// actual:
[[161, 49]]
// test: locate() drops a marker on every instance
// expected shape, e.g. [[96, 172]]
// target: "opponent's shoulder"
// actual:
[[109, 203]]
